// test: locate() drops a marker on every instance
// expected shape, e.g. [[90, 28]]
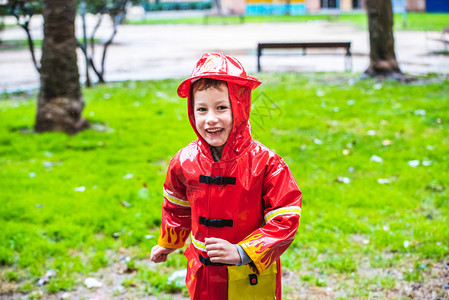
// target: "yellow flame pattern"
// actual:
[[172, 237], [261, 256]]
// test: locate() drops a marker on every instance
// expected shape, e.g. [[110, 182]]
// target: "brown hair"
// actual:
[[203, 84]]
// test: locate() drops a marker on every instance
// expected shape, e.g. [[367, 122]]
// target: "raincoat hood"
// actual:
[[227, 68]]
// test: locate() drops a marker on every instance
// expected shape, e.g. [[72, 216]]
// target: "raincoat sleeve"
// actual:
[[176, 213], [282, 210]]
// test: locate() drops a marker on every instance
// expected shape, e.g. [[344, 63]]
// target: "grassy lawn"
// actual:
[[415, 21], [371, 159], [23, 44]]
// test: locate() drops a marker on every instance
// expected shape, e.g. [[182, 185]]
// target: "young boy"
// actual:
[[236, 198]]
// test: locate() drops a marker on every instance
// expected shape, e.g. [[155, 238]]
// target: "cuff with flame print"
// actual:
[[172, 237], [261, 255]]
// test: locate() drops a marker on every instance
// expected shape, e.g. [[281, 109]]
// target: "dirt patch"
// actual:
[[372, 283]]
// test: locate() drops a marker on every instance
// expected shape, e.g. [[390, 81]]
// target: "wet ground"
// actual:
[[142, 52]]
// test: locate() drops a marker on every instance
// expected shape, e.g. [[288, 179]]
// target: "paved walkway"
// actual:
[[169, 51]]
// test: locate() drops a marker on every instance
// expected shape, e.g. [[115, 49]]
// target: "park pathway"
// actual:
[[142, 52]]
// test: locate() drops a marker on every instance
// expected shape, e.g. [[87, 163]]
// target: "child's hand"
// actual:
[[159, 254], [222, 251]]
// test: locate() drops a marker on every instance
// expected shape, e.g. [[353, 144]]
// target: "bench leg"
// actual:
[[348, 60]]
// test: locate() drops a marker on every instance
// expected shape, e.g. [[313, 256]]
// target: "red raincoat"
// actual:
[[249, 198]]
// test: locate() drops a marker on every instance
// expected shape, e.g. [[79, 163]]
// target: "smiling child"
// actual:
[[235, 197]]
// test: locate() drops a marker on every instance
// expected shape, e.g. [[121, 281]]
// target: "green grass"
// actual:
[[23, 44], [68, 201], [414, 21]]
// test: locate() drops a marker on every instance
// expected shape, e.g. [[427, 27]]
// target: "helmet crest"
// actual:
[[221, 67]]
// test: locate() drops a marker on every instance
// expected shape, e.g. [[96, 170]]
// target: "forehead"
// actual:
[[212, 95]]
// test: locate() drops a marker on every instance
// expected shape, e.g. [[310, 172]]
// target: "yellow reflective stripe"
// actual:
[[175, 200], [199, 245], [293, 210]]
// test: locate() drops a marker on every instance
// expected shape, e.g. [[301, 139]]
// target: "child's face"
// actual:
[[213, 115]]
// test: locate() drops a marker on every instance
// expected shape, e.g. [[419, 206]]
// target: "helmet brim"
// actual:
[[249, 81]]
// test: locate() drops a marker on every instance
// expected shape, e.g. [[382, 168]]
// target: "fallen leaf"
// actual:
[[80, 189], [406, 244], [178, 277], [124, 258], [143, 193], [91, 282], [50, 273], [426, 163], [343, 179], [42, 281], [383, 180], [376, 158], [386, 142], [420, 112], [47, 164], [45, 279], [413, 163]]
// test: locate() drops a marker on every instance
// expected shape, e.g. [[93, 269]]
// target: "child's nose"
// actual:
[[212, 118]]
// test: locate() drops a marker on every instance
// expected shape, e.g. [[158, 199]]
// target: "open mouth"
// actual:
[[215, 131]]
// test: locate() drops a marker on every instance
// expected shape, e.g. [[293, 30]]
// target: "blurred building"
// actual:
[[276, 7], [294, 7]]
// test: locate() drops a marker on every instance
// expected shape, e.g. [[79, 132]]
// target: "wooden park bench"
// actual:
[[304, 46]]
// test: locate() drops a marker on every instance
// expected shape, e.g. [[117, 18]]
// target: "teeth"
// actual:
[[213, 130]]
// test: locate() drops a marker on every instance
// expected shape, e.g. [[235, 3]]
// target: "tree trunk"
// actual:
[[383, 61], [60, 100]]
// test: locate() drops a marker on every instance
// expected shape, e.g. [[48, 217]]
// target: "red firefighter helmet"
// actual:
[[221, 67]]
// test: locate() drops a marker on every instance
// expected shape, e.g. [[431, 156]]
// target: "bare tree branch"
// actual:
[[16, 8]]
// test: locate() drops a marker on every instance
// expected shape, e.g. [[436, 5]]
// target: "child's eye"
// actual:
[[221, 107], [201, 109]]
